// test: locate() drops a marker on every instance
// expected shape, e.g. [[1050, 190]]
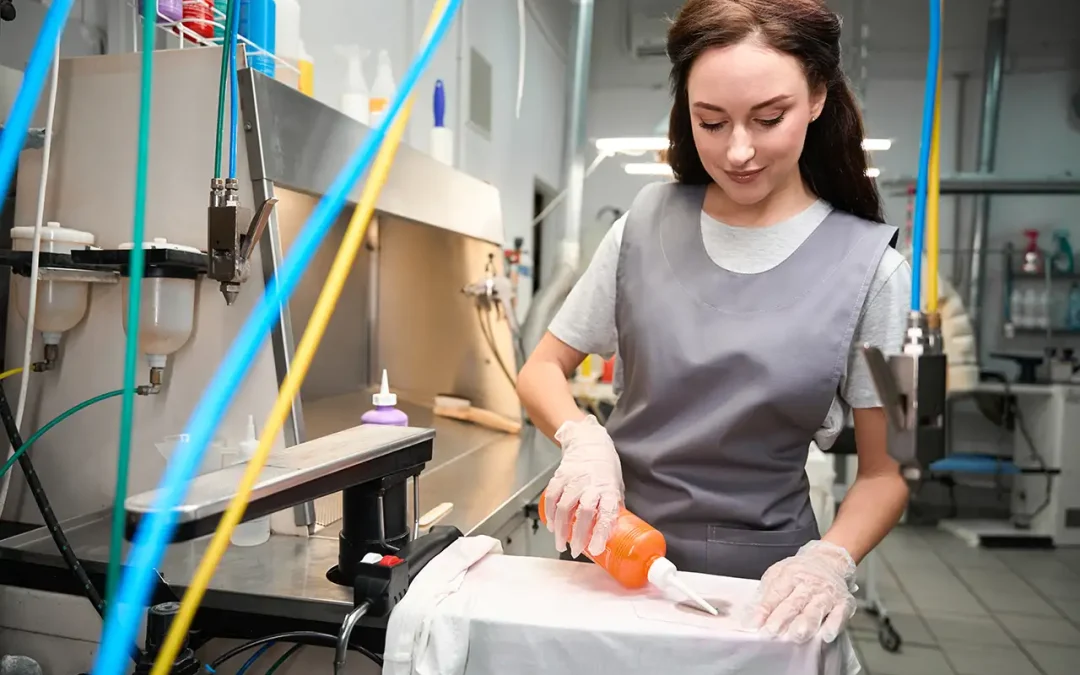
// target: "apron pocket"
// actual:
[[746, 554]]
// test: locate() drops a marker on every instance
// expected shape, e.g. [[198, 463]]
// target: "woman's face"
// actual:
[[750, 106]]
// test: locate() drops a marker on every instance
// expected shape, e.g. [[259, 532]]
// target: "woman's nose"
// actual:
[[741, 150]]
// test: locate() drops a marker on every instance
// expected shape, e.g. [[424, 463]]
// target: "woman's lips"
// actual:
[[744, 176]]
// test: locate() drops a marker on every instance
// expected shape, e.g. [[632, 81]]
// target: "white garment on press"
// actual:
[[532, 616], [409, 644]]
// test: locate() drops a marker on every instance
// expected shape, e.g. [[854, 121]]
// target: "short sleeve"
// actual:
[[586, 320], [882, 324]]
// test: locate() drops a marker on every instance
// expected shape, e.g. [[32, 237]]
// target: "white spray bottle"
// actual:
[[356, 101]]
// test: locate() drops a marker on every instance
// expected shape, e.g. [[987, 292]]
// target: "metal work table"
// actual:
[[488, 476]]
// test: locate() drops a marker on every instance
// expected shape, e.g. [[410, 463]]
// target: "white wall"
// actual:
[[83, 35], [519, 151]]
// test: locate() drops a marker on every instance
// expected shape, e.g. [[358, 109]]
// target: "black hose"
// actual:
[[45, 508], [302, 637]]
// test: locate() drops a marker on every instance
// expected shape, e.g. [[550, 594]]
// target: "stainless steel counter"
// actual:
[[489, 477]]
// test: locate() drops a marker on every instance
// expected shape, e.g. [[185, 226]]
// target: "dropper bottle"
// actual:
[[635, 556], [385, 413]]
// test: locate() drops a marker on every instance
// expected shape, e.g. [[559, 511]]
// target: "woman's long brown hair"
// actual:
[[833, 161]]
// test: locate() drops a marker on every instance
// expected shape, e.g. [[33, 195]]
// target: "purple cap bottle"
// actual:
[[385, 413]]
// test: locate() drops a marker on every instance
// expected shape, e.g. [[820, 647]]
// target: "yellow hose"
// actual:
[[8, 373], [290, 388], [933, 206]]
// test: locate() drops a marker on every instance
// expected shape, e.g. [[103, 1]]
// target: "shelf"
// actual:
[[1063, 332], [984, 184], [1042, 278]]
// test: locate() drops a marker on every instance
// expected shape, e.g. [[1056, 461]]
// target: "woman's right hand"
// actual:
[[586, 493]]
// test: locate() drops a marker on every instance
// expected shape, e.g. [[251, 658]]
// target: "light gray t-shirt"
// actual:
[[586, 321]]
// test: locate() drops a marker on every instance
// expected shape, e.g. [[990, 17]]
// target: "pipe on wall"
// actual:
[[996, 34], [550, 297], [959, 271]]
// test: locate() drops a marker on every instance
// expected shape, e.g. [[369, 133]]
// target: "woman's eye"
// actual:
[[772, 122], [710, 126]]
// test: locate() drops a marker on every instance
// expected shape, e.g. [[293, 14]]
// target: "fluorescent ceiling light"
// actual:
[[632, 145], [661, 169], [876, 144], [639, 144], [648, 169]]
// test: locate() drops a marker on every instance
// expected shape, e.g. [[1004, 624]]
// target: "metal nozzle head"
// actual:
[[230, 291]]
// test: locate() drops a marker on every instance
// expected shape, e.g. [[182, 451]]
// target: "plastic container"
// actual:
[[198, 19], [442, 139], [258, 23], [383, 90], [634, 556], [212, 460], [355, 102], [1033, 257], [167, 10], [257, 531], [1063, 260], [385, 413], [61, 305], [167, 314]]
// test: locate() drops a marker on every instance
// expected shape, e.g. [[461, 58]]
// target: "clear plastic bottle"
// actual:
[[253, 532], [1016, 309], [1042, 309], [635, 556]]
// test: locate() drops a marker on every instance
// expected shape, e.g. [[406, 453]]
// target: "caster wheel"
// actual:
[[888, 637]]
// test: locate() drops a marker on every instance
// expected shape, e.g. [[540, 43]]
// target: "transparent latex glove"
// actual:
[[586, 490], [812, 590]]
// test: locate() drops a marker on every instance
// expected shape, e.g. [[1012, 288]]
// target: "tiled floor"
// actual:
[[973, 611]]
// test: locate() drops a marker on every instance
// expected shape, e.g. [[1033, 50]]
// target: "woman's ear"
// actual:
[[817, 102]]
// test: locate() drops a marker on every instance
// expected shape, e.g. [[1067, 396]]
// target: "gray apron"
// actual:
[[726, 378]]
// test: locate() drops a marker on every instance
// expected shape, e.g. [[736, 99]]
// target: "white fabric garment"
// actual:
[[532, 616], [408, 649]]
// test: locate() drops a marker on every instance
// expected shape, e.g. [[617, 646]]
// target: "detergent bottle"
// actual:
[[634, 556], [385, 413]]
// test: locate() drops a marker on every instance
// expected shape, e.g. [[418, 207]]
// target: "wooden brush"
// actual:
[[457, 408]]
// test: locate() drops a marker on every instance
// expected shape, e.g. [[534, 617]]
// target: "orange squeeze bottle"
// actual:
[[635, 556]]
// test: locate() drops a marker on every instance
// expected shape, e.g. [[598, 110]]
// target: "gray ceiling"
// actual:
[[1043, 34]]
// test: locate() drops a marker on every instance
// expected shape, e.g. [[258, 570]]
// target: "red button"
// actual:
[[390, 561]]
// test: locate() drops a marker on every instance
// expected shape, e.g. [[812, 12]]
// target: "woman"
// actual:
[[736, 299]]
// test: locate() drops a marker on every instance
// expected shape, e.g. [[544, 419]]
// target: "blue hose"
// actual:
[[234, 101], [13, 137], [918, 229], [254, 657], [156, 530]]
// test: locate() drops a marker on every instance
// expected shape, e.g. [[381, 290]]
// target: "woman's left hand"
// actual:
[[810, 591]]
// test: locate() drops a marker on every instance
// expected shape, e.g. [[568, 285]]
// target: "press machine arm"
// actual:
[[912, 388], [379, 550]]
